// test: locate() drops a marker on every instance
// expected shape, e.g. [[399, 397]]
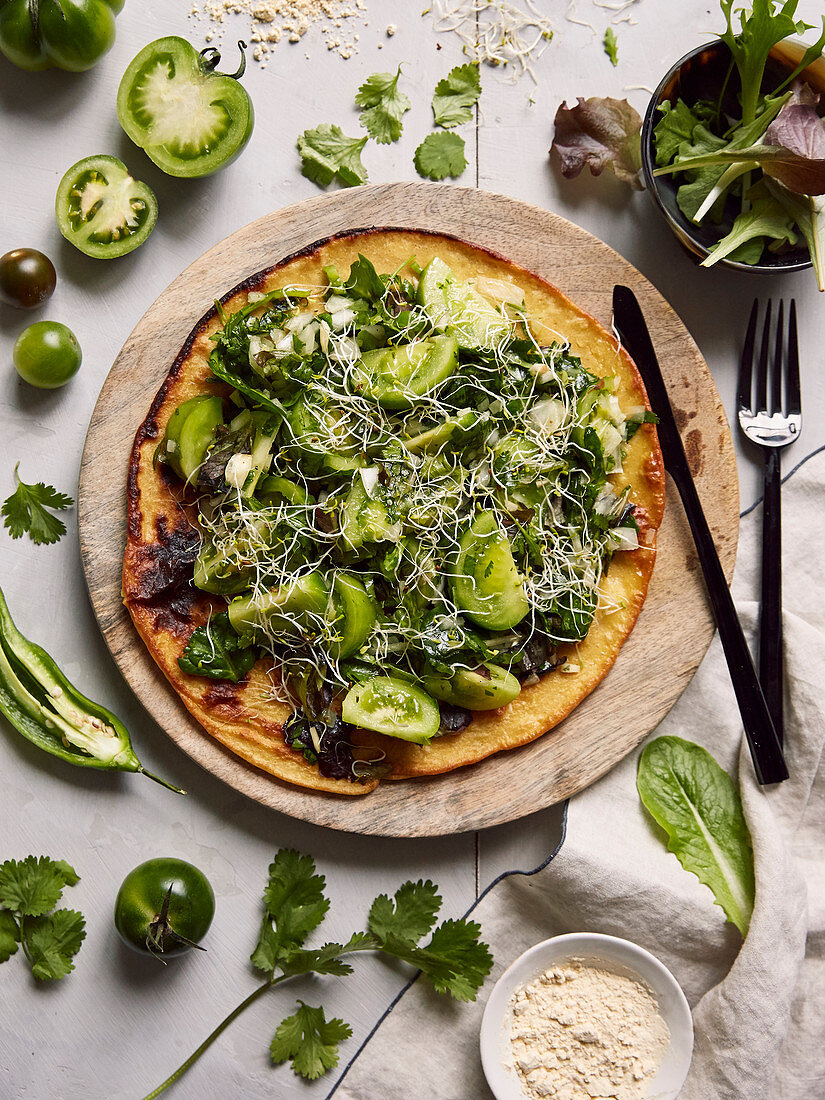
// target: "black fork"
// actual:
[[770, 415]]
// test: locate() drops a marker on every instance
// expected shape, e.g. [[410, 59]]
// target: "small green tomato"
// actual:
[[47, 355], [164, 907]]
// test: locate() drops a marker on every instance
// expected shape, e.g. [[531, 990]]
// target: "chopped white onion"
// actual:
[[335, 302], [548, 415], [237, 470], [500, 291], [369, 477], [342, 317]]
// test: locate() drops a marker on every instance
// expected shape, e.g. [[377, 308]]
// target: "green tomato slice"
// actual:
[[458, 309], [190, 120], [189, 434], [487, 585], [393, 707], [396, 377], [353, 615], [101, 210], [289, 609], [484, 688]]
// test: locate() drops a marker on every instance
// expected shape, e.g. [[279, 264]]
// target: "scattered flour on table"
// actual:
[[579, 1032], [272, 21]]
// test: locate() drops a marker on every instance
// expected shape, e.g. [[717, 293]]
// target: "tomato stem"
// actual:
[[211, 58]]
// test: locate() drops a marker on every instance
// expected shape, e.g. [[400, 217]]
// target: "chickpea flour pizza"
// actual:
[[393, 509]]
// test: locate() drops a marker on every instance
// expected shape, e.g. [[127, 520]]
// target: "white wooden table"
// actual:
[[120, 1024]]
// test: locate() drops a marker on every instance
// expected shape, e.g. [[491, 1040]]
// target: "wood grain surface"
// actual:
[[675, 627]]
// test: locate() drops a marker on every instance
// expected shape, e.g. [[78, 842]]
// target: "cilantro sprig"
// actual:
[[327, 154], [50, 938], [454, 959], [439, 155], [456, 95], [28, 511], [383, 106]]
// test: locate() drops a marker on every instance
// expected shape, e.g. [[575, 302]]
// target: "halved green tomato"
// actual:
[[391, 706], [396, 376], [288, 609], [431, 441], [458, 309], [101, 210], [483, 688], [487, 585], [353, 614], [190, 120], [274, 488]]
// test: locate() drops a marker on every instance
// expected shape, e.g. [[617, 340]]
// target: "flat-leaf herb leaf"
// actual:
[[455, 96], [383, 106]]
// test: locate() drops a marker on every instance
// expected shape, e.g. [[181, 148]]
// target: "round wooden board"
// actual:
[[673, 631]]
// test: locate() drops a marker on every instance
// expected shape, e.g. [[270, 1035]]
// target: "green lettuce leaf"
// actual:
[[690, 796], [766, 219]]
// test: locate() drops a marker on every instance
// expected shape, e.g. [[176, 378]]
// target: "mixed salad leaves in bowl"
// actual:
[[404, 495], [733, 144]]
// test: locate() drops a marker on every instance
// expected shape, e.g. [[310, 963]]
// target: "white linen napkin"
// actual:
[[758, 1007]]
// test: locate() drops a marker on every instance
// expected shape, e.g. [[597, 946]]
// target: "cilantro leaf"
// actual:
[[410, 917], [51, 942], [25, 511], [31, 887], [454, 960], [611, 46], [455, 95], [216, 651], [440, 155], [310, 1041], [328, 154], [295, 902], [383, 106], [326, 959], [9, 935]]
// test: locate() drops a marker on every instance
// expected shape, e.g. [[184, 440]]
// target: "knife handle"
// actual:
[[768, 761]]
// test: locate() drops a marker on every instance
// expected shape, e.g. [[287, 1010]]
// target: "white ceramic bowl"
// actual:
[[608, 952]]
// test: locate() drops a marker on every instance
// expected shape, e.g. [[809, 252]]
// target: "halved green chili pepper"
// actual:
[[49, 711]]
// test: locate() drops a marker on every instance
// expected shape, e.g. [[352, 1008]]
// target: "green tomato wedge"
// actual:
[[393, 707], [101, 210], [483, 688], [396, 377], [487, 585], [216, 571], [353, 615], [274, 488], [189, 434], [459, 310], [190, 120], [289, 609]]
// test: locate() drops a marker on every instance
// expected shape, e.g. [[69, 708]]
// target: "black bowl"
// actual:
[[701, 74]]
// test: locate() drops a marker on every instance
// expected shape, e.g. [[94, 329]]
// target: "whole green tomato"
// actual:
[[164, 907], [63, 34], [47, 355]]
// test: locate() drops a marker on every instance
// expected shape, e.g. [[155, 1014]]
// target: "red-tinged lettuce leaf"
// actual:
[[800, 133], [599, 133]]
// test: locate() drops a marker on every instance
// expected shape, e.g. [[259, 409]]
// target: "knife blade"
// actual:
[[766, 751]]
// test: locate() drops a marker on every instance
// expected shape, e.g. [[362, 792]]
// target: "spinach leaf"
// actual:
[[216, 651], [695, 802]]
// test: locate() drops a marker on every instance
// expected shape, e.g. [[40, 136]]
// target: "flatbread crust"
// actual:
[[162, 537]]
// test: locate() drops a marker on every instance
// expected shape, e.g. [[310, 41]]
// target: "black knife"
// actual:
[[766, 750]]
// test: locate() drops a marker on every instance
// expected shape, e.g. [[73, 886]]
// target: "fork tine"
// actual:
[[776, 367], [746, 362], [793, 388], [762, 370]]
